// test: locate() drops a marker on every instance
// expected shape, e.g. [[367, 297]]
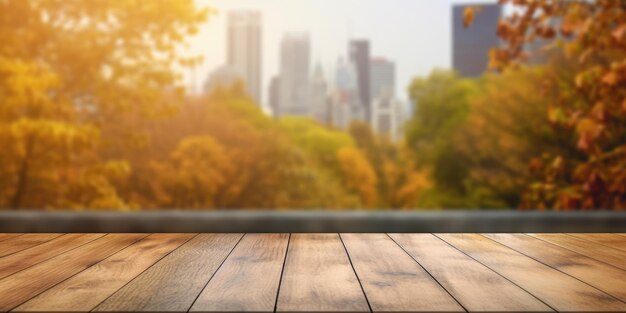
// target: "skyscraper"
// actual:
[[244, 48], [359, 52], [345, 105], [387, 117], [382, 78], [470, 46], [319, 96], [274, 96], [386, 114], [294, 75]]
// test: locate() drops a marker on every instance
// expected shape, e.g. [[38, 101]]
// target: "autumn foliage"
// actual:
[[92, 116], [590, 102]]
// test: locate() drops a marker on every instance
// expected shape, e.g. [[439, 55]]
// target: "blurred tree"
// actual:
[[39, 135], [399, 182], [442, 107], [507, 128], [201, 168], [359, 175], [70, 71], [591, 101], [479, 141]]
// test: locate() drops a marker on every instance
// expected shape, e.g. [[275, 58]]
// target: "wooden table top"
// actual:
[[313, 272]]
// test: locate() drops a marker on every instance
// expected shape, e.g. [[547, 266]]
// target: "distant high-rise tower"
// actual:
[[274, 96], [386, 114], [345, 105], [319, 96], [294, 75], [470, 46], [382, 78], [244, 48], [359, 52], [387, 117]]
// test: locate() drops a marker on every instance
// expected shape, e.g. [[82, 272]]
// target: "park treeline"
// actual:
[[91, 118]]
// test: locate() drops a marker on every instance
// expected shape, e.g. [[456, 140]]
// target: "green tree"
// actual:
[[442, 107]]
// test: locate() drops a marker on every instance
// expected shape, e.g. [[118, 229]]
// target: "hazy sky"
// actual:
[[416, 34]]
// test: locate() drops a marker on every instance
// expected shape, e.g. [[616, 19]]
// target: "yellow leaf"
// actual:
[[580, 80]]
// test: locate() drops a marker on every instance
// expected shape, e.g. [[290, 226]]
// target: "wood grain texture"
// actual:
[[6, 236], [616, 241], [591, 249], [248, 280], [24, 242], [22, 286], [173, 283], [474, 285], [392, 280], [607, 278], [558, 290], [318, 277], [84, 291], [26, 258]]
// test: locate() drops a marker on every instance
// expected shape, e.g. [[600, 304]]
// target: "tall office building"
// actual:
[[382, 78], [274, 96], [244, 48], [470, 46], [319, 96], [345, 105], [294, 75], [387, 117], [359, 52]]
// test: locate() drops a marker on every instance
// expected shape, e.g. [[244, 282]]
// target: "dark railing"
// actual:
[[313, 221]]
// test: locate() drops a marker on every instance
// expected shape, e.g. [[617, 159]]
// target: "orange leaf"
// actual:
[[468, 16], [620, 33], [583, 143], [610, 78]]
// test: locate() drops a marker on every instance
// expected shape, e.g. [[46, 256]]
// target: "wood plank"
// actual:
[[21, 287], [84, 291], [560, 291], [392, 280], [591, 249], [173, 283], [6, 236], [607, 278], [318, 277], [616, 241], [474, 285], [24, 259], [24, 242], [249, 278]]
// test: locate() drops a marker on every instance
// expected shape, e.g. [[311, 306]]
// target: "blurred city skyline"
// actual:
[[417, 40]]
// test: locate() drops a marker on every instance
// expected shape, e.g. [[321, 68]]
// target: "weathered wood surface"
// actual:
[[312, 272], [318, 277], [248, 280]]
